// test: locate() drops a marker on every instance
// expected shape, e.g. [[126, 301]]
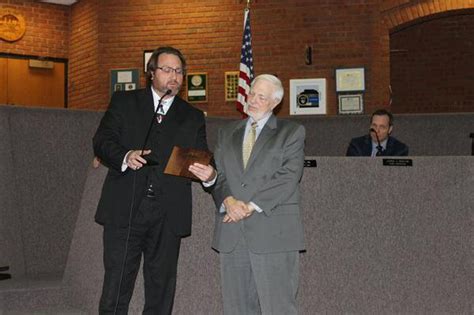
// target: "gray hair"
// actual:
[[278, 91]]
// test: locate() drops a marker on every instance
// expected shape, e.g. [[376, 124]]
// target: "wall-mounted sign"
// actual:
[[42, 64], [12, 25], [196, 87]]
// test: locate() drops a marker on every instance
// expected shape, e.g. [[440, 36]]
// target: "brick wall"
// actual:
[[209, 34], [84, 63], [47, 29], [108, 34], [432, 64]]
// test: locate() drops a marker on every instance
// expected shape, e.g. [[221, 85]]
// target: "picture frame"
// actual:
[[130, 86], [308, 96], [146, 56], [196, 87], [124, 80], [350, 79], [351, 103]]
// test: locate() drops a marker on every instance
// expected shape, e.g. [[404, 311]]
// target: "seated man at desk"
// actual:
[[378, 142]]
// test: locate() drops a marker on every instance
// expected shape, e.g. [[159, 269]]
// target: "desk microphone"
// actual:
[[379, 146], [149, 160]]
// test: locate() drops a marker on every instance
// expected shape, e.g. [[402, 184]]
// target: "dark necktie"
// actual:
[[379, 150], [159, 117]]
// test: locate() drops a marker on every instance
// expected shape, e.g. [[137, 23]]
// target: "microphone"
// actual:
[[149, 160], [379, 147]]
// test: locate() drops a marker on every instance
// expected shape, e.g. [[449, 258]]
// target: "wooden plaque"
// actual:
[[182, 158], [12, 25]]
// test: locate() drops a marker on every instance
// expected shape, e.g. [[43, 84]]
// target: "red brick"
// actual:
[[97, 36]]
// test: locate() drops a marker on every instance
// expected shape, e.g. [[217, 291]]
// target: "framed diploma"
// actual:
[[350, 79], [350, 104]]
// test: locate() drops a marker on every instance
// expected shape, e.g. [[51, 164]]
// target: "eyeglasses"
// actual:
[[259, 96], [168, 70]]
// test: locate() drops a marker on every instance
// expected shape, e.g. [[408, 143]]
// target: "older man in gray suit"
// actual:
[[258, 229]]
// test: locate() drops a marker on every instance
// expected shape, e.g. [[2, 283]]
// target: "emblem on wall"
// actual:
[[12, 25]]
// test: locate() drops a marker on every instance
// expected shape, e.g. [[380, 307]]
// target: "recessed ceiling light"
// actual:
[[62, 2]]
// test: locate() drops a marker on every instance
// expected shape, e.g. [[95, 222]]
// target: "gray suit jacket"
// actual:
[[271, 180]]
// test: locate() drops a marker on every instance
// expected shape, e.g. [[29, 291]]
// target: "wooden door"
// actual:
[[3, 81], [34, 86]]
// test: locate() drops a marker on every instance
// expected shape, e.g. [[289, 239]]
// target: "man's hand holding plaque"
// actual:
[[182, 158]]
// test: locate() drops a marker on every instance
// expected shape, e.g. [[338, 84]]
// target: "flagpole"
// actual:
[[248, 4]]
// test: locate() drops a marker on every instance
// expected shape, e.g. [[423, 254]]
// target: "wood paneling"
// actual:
[[34, 86], [3, 81]]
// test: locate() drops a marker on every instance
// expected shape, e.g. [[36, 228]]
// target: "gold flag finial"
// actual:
[[248, 4]]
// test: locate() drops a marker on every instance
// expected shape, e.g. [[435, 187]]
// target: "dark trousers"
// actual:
[[150, 236]]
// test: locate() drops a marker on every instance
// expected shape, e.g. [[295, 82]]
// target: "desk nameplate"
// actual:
[[397, 162]]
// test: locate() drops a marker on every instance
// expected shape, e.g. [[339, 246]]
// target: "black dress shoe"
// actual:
[[5, 276], [4, 268]]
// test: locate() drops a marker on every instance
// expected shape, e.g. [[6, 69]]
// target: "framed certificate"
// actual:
[[351, 103], [350, 79]]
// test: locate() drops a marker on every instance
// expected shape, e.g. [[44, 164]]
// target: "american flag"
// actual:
[[246, 65]]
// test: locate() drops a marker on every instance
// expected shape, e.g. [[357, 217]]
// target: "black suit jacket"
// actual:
[[123, 128], [362, 146]]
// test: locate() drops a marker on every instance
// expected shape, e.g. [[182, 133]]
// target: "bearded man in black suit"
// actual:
[[144, 211]]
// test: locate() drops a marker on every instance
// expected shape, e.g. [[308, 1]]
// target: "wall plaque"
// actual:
[[308, 96], [196, 87], [12, 25], [231, 85]]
